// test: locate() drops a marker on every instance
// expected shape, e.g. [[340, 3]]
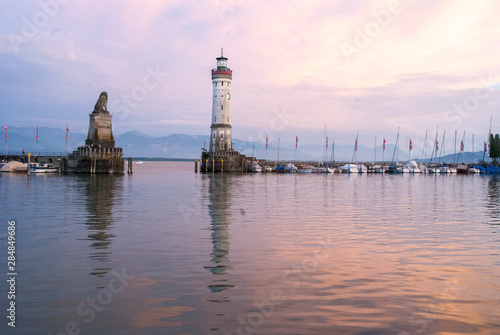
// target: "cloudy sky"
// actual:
[[367, 66]]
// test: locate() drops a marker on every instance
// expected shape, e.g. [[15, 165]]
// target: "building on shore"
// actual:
[[220, 155], [99, 154]]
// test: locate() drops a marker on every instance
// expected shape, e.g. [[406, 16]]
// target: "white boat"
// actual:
[[14, 166], [138, 162], [256, 168], [412, 167], [326, 169], [267, 169], [443, 169], [43, 168], [378, 169], [362, 168], [349, 168], [290, 168], [473, 170], [304, 169]]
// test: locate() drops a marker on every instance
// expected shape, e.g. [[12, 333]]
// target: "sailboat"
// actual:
[[393, 168], [255, 165], [432, 168], [325, 168], [352, 168]]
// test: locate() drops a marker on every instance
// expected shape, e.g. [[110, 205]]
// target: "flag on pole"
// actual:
[[485, 145], [37, 133], [327, 142], [296, 140], [411, 145], [461, 145], [384, 144], [5, 127], [267, 141], [437, 146], [68, 130], [356, 145]]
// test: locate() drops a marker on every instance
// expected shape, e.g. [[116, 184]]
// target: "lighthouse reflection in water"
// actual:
[[220, 213]]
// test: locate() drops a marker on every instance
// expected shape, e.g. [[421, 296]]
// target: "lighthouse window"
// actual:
[[221, 107], [221, 135], [215, 119], [222, 83]]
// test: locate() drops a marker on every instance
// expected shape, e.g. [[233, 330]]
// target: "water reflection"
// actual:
[[494, 199], [219, 189], [100, 193]]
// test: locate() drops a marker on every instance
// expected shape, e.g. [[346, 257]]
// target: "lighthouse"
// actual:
[[221, 156], [220, 137]]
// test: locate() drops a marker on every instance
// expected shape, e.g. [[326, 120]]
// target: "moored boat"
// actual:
[[256, 168], [290, 168], [463, 169], [349, 168], [412, 167], [304, 169], [43, 168]]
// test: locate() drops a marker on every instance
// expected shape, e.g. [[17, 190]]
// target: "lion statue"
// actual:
[[102, 104]]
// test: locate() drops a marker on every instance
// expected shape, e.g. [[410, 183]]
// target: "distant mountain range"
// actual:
[[137, 144]]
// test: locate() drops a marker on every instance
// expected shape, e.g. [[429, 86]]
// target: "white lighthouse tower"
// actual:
[[220, 137]]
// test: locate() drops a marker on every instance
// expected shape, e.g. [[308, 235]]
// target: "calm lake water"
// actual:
[[168, 251]]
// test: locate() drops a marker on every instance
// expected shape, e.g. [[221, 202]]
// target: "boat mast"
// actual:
[[278, 150], [395, 148], [253, 148], [424, 147], [472, 149], [441, 152], [375, 150], [434, 151], [326, 149], [489, 137], [455, 148]]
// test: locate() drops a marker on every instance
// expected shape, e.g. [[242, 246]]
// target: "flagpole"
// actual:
[[383, 151], [67, 139], [296, 143], [266, 148], [409, 151]]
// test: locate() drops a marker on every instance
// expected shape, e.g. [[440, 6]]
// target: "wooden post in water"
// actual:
[[195, 166], [129, 168], [29, 161]]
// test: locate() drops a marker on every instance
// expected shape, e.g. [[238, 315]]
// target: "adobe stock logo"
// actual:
[[372, 29], [48, 9]]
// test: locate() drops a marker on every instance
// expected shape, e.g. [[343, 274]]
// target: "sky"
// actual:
[[299, 67]]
